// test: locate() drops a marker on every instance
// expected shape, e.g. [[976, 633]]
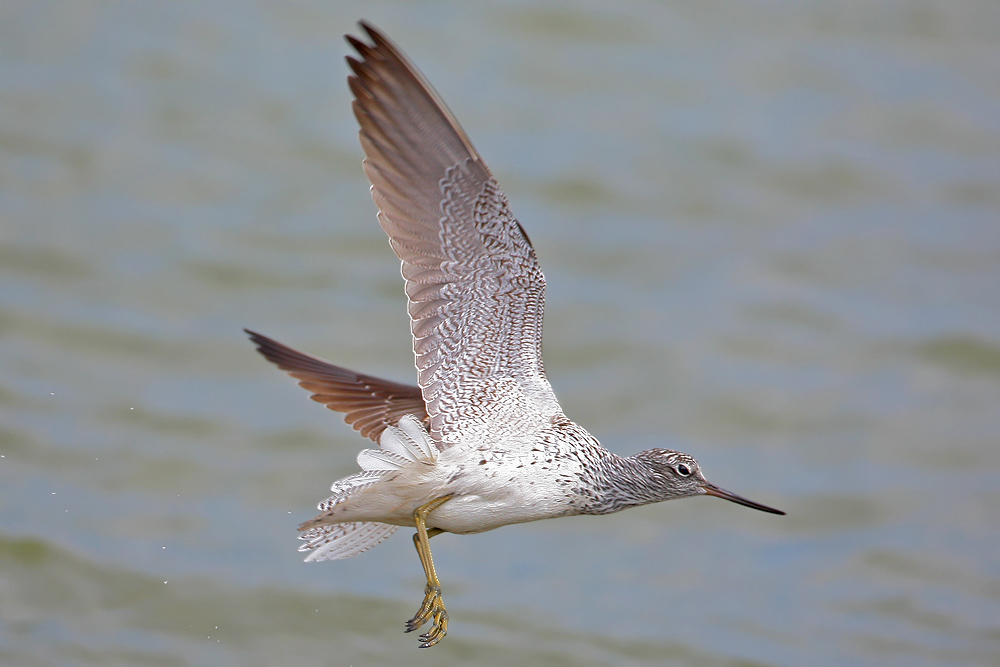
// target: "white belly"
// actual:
[[475, 514], [489, 488], [496, 494]]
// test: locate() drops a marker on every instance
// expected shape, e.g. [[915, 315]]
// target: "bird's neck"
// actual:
[[613, 483]]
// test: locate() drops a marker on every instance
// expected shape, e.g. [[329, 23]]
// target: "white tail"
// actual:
[[400, 445], [335, 541]]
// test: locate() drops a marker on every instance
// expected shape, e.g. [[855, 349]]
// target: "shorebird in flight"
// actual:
[[481, 441]]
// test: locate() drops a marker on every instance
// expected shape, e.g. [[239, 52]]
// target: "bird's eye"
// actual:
[[683, 470]]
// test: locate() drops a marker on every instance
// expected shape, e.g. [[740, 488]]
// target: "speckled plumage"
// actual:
[[481, 442]]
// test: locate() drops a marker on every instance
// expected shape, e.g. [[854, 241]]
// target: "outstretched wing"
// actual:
[[370, 403], [476, 292]]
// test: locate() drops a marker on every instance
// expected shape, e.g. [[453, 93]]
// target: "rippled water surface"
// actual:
[[771, 232]]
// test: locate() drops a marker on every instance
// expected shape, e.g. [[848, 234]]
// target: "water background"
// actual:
[[771, 232]]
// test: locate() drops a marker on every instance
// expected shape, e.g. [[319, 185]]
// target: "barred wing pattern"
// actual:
[[335, 541], [370, 403], [476, 293]]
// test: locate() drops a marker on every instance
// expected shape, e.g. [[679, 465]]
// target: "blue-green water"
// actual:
[[771, 232]]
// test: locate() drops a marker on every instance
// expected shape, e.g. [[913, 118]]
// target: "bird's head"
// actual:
[[678, 475]]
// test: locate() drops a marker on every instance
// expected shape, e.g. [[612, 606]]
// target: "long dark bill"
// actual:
[[713, 490]]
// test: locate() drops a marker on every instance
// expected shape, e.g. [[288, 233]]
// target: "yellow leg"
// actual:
[[432, 606]]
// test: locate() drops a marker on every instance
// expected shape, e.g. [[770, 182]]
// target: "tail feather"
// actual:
[[345, 488], [380, 460], [335, 541], [399, 446], [409, 440]]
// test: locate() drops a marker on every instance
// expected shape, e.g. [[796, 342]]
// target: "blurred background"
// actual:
[[771, 232]]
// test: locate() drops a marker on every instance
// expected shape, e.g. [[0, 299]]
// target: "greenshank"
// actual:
[[481, 441]]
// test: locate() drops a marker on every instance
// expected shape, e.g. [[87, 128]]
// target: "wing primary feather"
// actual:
[[369, 404], [475, 289]]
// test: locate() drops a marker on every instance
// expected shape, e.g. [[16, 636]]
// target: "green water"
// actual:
[[771, 232]]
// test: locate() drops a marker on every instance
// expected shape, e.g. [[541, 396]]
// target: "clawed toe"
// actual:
[[438, 630], [431, 608]]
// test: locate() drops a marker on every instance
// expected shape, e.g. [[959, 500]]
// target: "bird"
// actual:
[[481, 441]]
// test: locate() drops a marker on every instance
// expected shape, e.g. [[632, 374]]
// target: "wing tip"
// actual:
[[269, 348]]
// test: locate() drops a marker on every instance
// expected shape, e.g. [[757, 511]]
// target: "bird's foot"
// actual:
[[432, 608]]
